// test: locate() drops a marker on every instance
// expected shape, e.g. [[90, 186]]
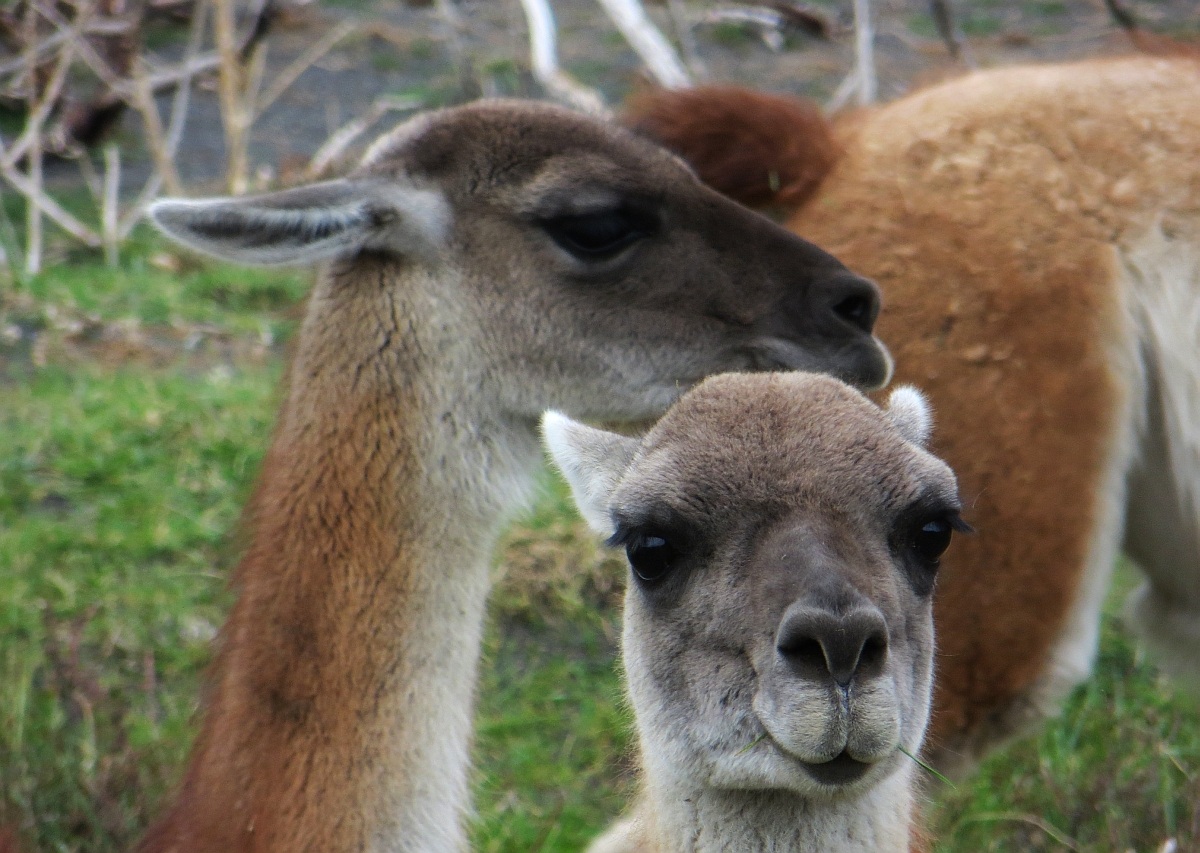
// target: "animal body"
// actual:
[[481, 264], [1036, 234], [784, 534]]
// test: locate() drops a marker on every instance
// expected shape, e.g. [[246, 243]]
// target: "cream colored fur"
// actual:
[[737, 720], [1162, 274], [464, 291]]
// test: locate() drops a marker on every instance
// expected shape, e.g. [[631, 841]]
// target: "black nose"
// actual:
[[854, 300], [819, 643]]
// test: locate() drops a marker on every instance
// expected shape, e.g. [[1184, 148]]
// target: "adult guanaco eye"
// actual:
[[931, 539], [652, 557], [598, 236]]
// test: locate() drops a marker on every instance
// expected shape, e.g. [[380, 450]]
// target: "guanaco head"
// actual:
[[784, 536], [575, 264]]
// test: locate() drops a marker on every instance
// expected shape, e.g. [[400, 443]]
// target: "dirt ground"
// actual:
[[417, 60]]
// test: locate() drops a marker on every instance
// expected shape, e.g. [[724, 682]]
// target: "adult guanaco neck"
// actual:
[[339, 710]]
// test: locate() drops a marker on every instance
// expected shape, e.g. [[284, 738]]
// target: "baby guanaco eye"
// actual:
[[598, 236], [932, 537], [652, 557]]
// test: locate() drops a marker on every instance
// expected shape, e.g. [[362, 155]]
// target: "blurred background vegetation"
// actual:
[[138, 385]]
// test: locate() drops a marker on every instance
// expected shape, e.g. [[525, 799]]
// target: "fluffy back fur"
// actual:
[[779, 158], [1035, 233]]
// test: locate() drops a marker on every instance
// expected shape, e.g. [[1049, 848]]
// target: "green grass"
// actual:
[[120, 489], [155, 286], [1118, 770], [551, 740], [118, 493]]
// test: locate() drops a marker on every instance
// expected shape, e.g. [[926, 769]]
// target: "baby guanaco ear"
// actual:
[[592, 461], [307, 224], [910, 412]]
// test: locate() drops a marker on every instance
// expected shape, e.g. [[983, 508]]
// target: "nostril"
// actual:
[[804, 652], [872, 656], [856, 310], [821, 643]]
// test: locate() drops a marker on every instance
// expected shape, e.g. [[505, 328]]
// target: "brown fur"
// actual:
[[338, 717], [255, 778], [779, 159], [990, 210]]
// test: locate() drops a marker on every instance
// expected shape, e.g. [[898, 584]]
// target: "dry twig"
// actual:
[[649, 43], [543, 51], [329, 154], [864, 52]]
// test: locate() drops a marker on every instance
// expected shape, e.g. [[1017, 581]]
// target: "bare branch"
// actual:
[[768, 23], [40, 104], [803, 19], [179, 109], [230, 86], [1122, 16], [255, 70], [110, 231], [33, 140], [34, 194], [99, 26], [844, 92], [543, 52], [264, 16], [86, 52], [944, 19], [687, 40], [10, 243], [152, 126], [201, 64], [302, 63], [649, 43], [948, 29], [455, 28], [333, 149], [864, 50]]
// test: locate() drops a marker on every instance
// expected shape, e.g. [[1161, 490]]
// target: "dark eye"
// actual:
[[652, 557], [598, 236], [931, 539]]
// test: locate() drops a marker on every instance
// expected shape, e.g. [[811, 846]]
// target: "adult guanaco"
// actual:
[[1036, 234], [482, 264]]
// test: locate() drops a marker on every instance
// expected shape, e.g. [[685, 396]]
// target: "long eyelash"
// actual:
[[958, 525], [624, 536]]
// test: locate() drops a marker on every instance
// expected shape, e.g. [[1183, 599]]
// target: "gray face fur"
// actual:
[[783, 533], [558, 261]]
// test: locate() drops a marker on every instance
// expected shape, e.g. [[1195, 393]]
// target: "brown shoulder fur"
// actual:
[[757, 148], [1156, 44]]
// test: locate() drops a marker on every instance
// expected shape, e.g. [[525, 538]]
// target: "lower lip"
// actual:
[[842, 770]]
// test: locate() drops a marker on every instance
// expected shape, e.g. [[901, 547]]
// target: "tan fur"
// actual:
[[339, 709], [793, 630], [1002, 214]]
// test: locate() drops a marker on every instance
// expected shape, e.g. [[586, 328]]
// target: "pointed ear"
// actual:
[[307, 224], [592, 461], [911, 413]]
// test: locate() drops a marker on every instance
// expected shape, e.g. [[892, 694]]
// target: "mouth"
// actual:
[[770, 354], [841, 770], [781, 354]]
